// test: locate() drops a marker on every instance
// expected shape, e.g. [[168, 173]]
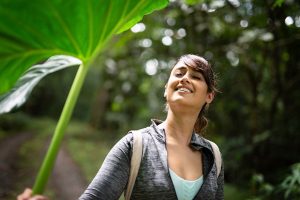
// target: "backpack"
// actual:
[[136, 158]]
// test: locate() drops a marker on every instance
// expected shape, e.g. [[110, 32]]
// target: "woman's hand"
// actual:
[[27, 195]]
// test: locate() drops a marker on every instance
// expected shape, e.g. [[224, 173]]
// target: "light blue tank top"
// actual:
[[185, 189]]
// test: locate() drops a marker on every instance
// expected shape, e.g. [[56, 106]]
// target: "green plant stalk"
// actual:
[[61, 126]]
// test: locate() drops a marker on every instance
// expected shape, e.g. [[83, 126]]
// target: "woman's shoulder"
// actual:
[[199, 140], [142, 131], [128, 138]]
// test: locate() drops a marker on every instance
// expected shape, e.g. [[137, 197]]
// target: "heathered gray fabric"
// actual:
[[153, 181]]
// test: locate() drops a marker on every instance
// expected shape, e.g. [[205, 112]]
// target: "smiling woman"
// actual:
[[193, 74], [176, 161]]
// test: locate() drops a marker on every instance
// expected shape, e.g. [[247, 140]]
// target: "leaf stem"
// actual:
[[61, 126]]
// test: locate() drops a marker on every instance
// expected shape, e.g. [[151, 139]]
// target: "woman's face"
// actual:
[[187, 87]]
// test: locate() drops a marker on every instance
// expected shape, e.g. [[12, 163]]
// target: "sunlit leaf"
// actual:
[[19, 94], [193, 2], [278, 3], [33, 31]]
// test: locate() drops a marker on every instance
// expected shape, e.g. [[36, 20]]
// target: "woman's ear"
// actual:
[[165, 92], [210, 97]]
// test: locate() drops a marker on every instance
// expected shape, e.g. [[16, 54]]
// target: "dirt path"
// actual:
[[66, 181], [9, 149]]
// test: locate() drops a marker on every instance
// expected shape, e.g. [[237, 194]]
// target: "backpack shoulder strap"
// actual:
[[218, 157], [136, 157]]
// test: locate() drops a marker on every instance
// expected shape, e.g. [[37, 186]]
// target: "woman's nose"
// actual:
[[185, 79]]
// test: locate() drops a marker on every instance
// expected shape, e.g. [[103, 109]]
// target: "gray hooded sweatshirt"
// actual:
[[153, 181]]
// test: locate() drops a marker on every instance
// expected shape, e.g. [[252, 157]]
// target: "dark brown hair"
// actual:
[[200, 64]]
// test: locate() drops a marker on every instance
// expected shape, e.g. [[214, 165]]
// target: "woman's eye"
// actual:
[[196, 77], [178, 74]]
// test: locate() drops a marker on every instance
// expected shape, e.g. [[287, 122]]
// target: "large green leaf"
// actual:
[[33, 31], [21, 91]]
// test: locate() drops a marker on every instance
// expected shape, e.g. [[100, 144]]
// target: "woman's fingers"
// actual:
[[25, 195], [39, 197]]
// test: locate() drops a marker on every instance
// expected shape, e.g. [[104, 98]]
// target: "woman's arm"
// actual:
[[111, 179], [220, 182]]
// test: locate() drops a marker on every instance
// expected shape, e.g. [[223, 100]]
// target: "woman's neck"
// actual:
[[179, 128]]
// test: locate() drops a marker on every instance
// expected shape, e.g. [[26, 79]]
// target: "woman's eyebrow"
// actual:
[[198, 71], [195, 70], [181, 68]]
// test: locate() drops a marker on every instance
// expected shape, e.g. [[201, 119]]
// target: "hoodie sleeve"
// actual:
[[220, 182], [112, 177]]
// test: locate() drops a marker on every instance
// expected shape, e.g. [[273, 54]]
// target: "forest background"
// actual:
[[254, 47]]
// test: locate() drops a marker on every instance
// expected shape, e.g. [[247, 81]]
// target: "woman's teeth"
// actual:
[[183, 90]]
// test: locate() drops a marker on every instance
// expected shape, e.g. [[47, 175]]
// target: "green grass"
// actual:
[[88, 154], [235, 193], [88, 147]]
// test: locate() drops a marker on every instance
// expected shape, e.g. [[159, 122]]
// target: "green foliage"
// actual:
[[261, 189], [278, 3], [14, 122], [232, 192], [193, 2], [291, 184], [289, 188]]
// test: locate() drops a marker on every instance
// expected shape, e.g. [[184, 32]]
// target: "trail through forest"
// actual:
[[67, 180], [9, 149]]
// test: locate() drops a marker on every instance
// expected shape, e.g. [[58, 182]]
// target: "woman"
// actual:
[[176, 163]]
